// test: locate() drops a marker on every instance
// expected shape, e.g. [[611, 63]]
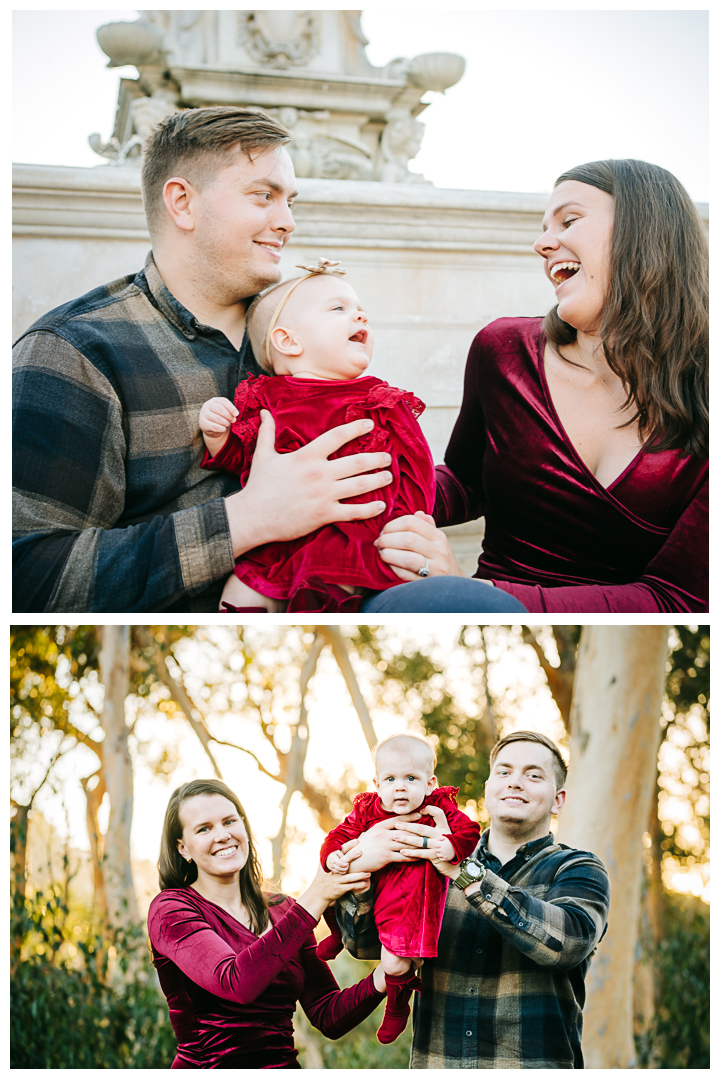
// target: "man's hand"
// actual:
[[439, 849], [291, 495], [378, 846]]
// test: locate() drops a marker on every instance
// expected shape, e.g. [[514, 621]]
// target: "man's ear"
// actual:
[[285, 343], [559, 801], [178, 195]]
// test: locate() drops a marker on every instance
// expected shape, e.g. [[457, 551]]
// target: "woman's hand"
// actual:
[[407, 543], [324, 889]]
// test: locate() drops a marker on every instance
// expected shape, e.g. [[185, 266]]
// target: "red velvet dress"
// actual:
[[232, 995], [309, 571], [409, 897], [554, 536]]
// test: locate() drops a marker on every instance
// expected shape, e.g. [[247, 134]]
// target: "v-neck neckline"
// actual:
[[542, 345], [247, 929]]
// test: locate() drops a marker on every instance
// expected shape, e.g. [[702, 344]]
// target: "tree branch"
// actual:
[[336, 642], [179, 695]]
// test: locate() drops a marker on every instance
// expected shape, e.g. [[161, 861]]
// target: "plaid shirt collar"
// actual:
[[523, 853]]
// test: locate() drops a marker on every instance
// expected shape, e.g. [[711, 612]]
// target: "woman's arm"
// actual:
[[179, 930], [675, 580], [331, 1010]]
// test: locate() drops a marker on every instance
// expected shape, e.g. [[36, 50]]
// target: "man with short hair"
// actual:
[[112, 510], [522, 919]]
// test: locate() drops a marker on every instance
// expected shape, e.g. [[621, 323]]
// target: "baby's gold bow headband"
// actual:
[[324, 266]]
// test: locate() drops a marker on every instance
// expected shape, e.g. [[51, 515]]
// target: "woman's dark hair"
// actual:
[[654, 325], [175, 872]]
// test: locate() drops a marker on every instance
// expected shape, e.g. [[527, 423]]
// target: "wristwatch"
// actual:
[[470, 870]]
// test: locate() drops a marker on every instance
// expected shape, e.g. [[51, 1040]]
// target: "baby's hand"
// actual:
[[216, 416], [444, 851], [337, 863]]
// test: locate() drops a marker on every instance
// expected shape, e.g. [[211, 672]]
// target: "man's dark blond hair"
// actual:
[[196, 144], [559, 765]]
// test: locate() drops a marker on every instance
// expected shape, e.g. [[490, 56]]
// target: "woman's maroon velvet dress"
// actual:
[[308, 572], [409, 897], [554, 536], [232, 995]]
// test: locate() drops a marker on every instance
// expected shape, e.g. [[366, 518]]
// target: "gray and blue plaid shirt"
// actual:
[[111, 510], [507, 987]]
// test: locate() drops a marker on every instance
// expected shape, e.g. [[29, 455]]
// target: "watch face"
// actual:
[[473, 870]]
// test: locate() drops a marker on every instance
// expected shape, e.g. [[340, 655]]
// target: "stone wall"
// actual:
[[431, 266]]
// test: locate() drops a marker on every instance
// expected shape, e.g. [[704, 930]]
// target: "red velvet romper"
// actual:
[[409, 897], [308, 572]]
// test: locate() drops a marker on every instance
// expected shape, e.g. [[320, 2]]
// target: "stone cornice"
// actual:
[[105, 202]]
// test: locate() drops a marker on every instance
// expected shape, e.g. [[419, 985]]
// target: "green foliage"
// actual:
[[416, 684], [679, 1037], [69, 1009]]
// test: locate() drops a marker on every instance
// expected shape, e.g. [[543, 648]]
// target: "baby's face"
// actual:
[[402, 780], [324, 318]]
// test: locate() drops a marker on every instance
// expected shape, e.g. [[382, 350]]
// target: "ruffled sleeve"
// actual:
[[383, 400], [248, 402]]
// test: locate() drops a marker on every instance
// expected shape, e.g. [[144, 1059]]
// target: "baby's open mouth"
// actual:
[[564, 270], [361, 336]]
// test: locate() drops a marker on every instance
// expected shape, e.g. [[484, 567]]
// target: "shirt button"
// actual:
[[478, 951], [472, 989], [521, 924], [468, 1032]]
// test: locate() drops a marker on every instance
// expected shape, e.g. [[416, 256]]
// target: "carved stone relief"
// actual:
[[279, 39]]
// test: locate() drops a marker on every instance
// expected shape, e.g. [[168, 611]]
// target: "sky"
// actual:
[[543, 91]]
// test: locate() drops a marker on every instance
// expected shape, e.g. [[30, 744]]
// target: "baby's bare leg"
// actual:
[[239, 595], [394, 965]]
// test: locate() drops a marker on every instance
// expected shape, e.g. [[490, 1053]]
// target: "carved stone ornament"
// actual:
[[138, 43], [279, 39]]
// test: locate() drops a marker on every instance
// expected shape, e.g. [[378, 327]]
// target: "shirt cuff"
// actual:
[[202, 535], [490, 895]]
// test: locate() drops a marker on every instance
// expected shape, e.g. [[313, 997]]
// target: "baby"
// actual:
[[409, 896], [313, 339]]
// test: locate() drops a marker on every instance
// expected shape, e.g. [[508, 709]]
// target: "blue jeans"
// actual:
[[458, 594]]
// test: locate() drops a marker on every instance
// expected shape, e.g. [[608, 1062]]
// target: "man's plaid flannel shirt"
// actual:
[[507, 987], [111, 510]]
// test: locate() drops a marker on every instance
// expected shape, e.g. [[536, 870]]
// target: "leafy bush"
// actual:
[[73, 1005], [679, 1037]]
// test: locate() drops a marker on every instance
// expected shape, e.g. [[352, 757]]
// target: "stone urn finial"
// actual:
[[138, 43], [436, 71]]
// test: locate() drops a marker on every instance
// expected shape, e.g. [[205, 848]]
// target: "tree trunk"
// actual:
[[114, 669], [295, 762], [93, 800], [615, 725]]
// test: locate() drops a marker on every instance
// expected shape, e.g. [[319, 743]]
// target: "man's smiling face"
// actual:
[[521, 793]]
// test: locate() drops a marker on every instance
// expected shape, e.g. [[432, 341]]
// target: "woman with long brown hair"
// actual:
[[583, 437], [233, 961]]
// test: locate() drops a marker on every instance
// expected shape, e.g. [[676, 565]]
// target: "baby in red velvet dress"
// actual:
[[312, 337], [409, 896]]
